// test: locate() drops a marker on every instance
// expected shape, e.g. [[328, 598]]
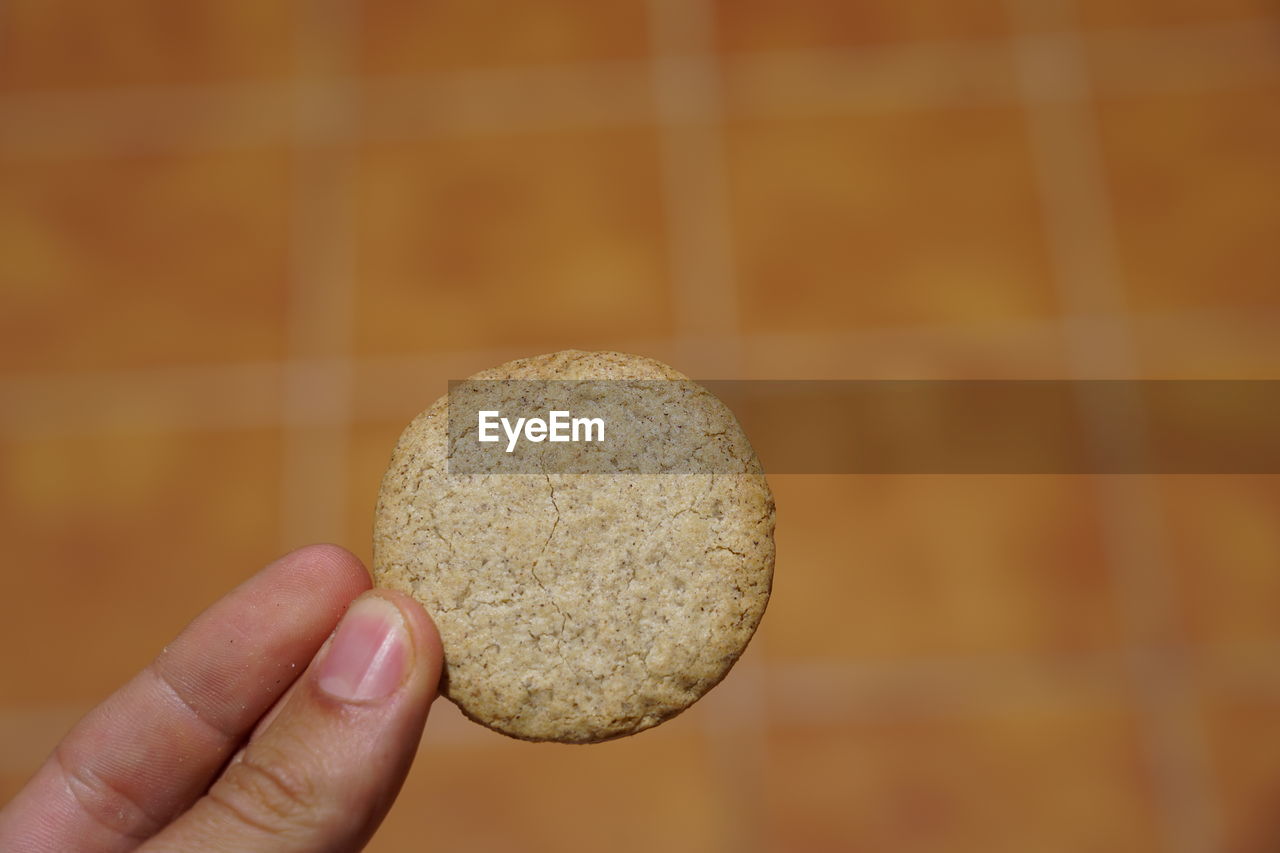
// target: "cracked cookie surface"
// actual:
[[580, 607]]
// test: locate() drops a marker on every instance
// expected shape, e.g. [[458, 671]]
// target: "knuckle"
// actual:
[[103, 802], [269, 792]]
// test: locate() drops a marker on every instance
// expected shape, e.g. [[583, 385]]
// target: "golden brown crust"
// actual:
[[578, 607]]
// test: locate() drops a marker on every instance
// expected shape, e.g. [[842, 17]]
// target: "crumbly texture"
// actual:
[[580, 607]]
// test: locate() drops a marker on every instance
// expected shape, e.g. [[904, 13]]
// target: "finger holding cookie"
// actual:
[[250, 731]]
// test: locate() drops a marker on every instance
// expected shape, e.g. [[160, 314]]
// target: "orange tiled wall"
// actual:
[[243, 241]]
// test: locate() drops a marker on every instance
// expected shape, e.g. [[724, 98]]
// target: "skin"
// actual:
[[229, 739]]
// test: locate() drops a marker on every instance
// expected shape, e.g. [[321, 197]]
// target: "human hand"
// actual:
[[201, 751]]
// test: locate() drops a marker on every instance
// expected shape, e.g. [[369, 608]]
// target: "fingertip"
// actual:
[[327, 564], [422, 630]]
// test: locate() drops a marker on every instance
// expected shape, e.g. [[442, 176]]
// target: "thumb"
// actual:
[[321, 775]]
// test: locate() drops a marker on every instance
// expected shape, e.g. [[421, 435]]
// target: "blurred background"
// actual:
[[243, 242]]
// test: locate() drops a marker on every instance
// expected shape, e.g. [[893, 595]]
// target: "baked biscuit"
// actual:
[[579, 607]]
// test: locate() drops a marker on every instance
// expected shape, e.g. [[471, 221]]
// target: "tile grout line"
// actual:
[[686, 86], [1066, 148], [245, 395], [318, 393], [124, 120], [815, 691]]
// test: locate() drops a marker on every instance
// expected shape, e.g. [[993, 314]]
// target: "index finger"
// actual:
[[152, 748]]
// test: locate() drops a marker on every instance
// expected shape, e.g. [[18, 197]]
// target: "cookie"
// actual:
[[580, 607]]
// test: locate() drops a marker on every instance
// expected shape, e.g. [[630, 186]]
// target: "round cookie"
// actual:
[[581, 607]]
